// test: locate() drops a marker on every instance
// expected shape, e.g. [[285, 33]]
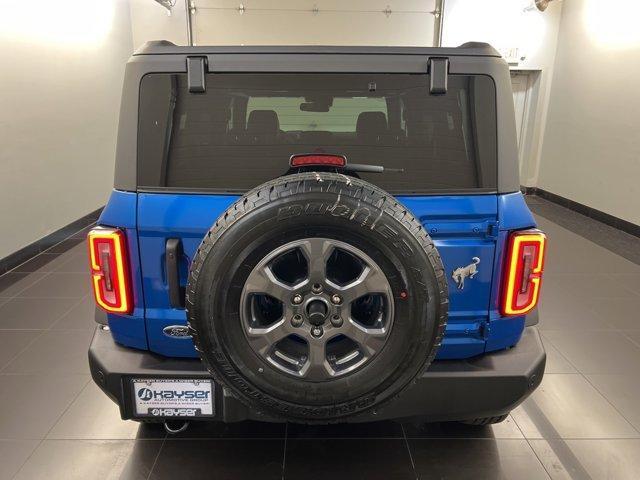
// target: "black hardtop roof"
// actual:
[[472, 49]]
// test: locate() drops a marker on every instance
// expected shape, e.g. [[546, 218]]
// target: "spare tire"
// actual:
[[316, 297]]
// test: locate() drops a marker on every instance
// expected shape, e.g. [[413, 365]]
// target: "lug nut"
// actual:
[[336, 321], [337, 299], [296, 320], [317, 288], [316, 332], [297, 299]]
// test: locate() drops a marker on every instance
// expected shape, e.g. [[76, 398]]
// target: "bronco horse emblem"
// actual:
[[460, 273]]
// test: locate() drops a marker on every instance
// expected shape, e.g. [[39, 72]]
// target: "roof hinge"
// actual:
[[438, 73], [196, 69]]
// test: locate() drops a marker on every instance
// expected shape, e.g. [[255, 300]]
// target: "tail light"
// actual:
[[109, 271], [523, 272]]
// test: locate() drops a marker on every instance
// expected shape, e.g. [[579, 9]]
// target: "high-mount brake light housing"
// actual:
[[109, 270], [523, 272], [317, 160]]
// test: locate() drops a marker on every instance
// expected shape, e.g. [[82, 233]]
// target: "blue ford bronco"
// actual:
[[316, 235]]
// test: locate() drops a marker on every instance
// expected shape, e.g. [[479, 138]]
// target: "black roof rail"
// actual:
[[164, 47]]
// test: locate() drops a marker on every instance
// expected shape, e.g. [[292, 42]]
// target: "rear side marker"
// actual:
[[109, 270], [523, 272]]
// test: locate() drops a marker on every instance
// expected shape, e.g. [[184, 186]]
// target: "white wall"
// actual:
[[150, 21], [62, 66], [505, 25], [591, 150]]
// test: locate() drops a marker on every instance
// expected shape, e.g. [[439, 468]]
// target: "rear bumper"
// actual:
[[485, 386]]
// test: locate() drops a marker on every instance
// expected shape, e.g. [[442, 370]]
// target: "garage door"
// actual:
[[323, 22]]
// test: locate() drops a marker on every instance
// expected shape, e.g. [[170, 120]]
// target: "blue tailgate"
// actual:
[[463, 227]]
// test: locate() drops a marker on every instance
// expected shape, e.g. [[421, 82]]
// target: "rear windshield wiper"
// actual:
[[361, 167]]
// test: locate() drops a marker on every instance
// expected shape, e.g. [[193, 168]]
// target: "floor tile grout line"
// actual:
[[42, 332], [611, 403], [67, 312], [284, 453], [406, 443], [28, 458], [517, 426], [46, 274], [599, 393], [538, 458], [563, 440], [15, 269], [52, 246], [42, 440], [47, 433], [67, 408], [559, 353], [584, 376], [40, 270], [2, 369], [634, 295], [613, 329], [54, 255], [155, 460], [623, 332]]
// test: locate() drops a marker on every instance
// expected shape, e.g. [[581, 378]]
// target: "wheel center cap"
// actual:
[[317, 311]]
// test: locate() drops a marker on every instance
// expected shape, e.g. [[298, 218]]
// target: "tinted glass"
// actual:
[[244, 129]]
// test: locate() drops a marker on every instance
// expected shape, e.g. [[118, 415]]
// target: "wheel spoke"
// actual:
[[263, 338], [316, 367], [262, 280], [371, 340], [317, 252], [371, 280]]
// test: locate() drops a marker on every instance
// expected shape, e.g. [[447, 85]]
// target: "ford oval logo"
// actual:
[[177, 331]]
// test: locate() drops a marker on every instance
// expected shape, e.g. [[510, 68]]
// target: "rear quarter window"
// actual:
[[242, 131]]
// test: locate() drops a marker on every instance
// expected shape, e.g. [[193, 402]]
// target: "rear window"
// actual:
[[242, 131]]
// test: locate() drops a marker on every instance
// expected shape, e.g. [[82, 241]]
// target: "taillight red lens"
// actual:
[[317, 160], [523, 272], [109, 272]]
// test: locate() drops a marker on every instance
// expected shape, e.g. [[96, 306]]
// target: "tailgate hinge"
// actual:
[[485, 329], [492, 230]]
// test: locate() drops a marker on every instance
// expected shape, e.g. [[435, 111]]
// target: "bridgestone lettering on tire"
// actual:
[[316, 297]]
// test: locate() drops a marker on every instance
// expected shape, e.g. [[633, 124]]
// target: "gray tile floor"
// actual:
[[583, 421]]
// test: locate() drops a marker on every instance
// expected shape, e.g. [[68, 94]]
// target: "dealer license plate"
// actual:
[[173, 397]]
